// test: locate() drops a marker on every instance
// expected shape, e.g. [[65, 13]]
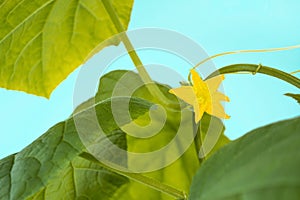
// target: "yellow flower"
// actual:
[[203, 96]]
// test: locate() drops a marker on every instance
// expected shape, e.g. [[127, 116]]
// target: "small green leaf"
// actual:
[[263, 164], [43, 41], [179, 173], [294, 96]]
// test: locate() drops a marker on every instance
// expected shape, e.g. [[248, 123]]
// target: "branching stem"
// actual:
[[254, 68]]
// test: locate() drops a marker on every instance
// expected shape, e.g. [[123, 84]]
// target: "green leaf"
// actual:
[[52, 165], [43, 41], [108, 82], [50, 168], [294, 96], [263, 164], [5, 167], [82, 179], [179, 173]]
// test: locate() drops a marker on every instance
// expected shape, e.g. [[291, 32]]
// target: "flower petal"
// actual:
[[195, 76], [214, 83], [218, 96], [218, 111], [199, 111], [186, 93], [198, 84]]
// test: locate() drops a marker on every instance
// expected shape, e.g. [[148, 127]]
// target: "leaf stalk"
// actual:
[[151, 86]]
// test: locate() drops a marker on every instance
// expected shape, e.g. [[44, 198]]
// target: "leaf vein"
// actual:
[[21, 53], [24, 21]]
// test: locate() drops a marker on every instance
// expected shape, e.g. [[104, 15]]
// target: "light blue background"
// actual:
[[217, 26]]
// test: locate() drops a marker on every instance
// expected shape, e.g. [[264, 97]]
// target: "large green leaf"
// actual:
[[42, 41], [50, 168], [263, 164], [180, 172]]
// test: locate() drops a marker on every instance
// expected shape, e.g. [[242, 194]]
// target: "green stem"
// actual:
[[198, 139], [155, 184], [151, 86], [254, 68]]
